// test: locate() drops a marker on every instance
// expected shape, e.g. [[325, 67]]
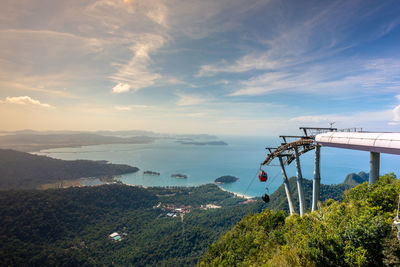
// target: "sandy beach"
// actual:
[[235, 194]]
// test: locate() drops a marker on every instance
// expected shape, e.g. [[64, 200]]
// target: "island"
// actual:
[[179, 176], [151, 173], [226, 179]]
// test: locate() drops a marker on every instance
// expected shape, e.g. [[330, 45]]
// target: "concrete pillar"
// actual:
[[287, 188], [317, 179], [300, 188], [374, 159]]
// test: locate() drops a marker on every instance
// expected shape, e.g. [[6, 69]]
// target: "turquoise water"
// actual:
[[203, 164]]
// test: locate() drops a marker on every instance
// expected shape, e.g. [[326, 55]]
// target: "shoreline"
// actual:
[[81, 183], [235, 193]]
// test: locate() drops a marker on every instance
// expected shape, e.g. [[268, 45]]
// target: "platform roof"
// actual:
[[367, 141]]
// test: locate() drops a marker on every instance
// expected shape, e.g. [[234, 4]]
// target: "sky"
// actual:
[[199, 66]]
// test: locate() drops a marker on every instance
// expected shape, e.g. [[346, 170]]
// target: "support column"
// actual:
[[374, 159], [300, 188], [287, 188], [317, 179]]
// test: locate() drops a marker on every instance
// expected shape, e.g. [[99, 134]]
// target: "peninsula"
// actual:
[[20, 170]]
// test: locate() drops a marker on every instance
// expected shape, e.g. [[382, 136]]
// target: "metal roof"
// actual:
[[114, 234], [374, 142]]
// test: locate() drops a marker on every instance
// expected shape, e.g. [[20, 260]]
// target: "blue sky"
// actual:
[[219, 67]]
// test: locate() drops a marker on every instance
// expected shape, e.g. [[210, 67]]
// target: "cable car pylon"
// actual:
[[292, 151]]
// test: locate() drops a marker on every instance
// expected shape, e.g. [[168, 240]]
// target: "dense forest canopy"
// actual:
[[170, 226], [20, 170], [71, 227], [278, 200], [356, 231]]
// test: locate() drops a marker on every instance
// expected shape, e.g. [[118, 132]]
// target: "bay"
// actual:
[[204, 163]]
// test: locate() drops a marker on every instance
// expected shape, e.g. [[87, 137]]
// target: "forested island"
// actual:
[[179, 176], [226, 179], [151, 173], [20, 170]]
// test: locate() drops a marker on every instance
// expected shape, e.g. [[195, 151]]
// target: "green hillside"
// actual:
[[356, 231], [71, 227], [20, 170], [278, 199]]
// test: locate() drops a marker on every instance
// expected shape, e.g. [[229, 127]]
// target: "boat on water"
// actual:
[[179, 176], [151, 173]]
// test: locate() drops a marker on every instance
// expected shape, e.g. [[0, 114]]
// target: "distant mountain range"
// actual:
[[36, 142], [30, 140]]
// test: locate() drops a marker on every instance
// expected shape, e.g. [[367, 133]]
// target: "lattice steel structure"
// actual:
[[287, 152]]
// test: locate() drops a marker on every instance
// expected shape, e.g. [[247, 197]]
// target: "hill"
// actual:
[[354, 179], [278, 199], [356, 231], [71, 227], [20, 170]]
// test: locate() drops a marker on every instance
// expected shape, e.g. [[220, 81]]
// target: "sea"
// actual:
[[204, 163]]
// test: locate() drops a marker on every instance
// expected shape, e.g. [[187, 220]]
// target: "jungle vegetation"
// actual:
[[20, 170], [356, 231], [71, 227]]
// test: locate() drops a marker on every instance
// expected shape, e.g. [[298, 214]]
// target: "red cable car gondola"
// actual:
[[262, 176]]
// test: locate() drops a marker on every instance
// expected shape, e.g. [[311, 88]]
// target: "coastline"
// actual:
[[98, 181], [234, 193]]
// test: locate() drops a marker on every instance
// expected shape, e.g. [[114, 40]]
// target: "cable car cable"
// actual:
[[251, 182]]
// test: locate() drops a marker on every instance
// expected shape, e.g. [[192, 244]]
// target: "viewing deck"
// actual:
[[373, 142]]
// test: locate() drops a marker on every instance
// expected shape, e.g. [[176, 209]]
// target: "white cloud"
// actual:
[[123, 108], [121, 88], [25, 100], [130, 107], [175, 81], [298, 55], [369, 120], [189, 100], [136, 73], [396, 114], [315, 118], [296, 41], [158, 13], [349, 77]]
